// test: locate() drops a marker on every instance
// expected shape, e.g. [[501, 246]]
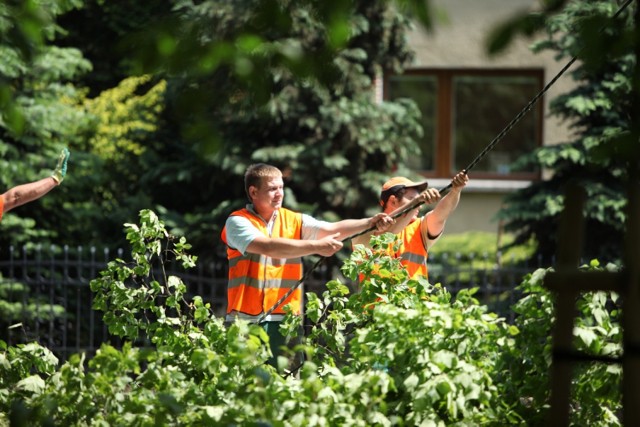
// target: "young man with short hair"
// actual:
[[265, 243]]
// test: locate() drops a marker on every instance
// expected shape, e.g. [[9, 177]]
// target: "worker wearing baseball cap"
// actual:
[[417, 234]]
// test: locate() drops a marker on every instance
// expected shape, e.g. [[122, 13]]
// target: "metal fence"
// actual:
[[45, 294]]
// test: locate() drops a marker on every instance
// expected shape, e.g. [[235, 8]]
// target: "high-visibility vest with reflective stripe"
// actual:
[[256, 282], [412, 252]]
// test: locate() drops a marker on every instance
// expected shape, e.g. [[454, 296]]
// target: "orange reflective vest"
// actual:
[[412, 252], [256, 282]]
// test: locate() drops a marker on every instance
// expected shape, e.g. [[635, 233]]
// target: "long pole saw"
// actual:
[[471, 165]]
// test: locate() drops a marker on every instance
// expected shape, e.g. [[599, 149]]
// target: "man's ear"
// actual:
[[252, 192]]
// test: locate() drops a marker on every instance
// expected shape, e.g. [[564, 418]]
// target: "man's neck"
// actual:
[[266, 214]]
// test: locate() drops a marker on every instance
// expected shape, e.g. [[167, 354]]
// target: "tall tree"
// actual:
[[108, 187], [318, 121], [38, 114], [98, 29], [284, 82], [598, 109]]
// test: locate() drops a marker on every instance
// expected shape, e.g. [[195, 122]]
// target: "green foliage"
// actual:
[[239, 90], [437, 350], [483, 247], [232, 83], [39, 115], [277, 82], [25, 28], [108, 169], [398, 352], [525, 376], [130, 301], [97, 30], [17, 306], [475, 259], [126, 117], [524, 367], [597, 156]]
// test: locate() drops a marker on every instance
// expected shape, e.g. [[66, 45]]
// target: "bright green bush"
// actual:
[[483, 245], [398, 352], [479, 258], [524, 368]]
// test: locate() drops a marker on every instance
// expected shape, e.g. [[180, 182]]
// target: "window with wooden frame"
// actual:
[[464, 110]]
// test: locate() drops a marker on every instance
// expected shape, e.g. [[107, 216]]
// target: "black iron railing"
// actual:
[[45, 294]]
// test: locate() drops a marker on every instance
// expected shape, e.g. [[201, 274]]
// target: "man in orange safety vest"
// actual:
[[417, 234], [265, 243]]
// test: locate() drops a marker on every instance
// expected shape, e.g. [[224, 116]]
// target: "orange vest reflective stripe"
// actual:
[[256, 282], [412, 252]]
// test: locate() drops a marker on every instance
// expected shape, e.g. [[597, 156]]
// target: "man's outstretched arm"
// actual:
[[25, 193]]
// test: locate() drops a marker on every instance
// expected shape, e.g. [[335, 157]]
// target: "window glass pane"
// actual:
[[482, 107], [422, 89]]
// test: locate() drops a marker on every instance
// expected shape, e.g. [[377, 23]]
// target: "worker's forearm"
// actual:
[[283, 248], [25, 193], [438, 216], [346, 228]]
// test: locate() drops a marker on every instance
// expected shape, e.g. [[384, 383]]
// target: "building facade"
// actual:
[[468, 97]]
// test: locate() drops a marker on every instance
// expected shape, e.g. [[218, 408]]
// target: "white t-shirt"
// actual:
[[241, 232]]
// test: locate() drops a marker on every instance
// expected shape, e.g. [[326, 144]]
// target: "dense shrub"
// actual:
[[398, 352]]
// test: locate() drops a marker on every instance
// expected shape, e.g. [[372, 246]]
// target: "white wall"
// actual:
[[459, 41]]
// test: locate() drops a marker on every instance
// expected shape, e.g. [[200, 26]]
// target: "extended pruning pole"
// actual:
[[471, 165]]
